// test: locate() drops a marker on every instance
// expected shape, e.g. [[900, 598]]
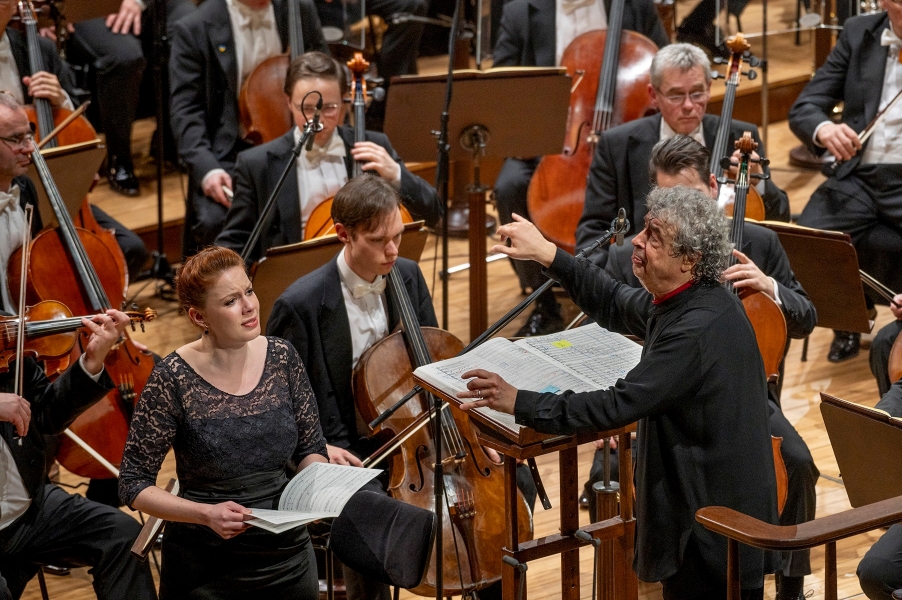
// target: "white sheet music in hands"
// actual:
[[320, 491], [583, 359]]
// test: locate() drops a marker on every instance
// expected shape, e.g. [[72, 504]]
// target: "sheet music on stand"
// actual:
[[583, 359]]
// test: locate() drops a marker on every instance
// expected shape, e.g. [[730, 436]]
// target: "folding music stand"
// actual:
[[283, 265], [501, 112], [525, 443], [826, 264], [73, 169], [858, 434]]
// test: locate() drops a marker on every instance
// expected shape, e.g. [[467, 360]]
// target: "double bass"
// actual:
[[613, 90], [473, 535]]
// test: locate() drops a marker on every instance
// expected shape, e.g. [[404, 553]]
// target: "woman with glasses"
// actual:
[[319, 172]]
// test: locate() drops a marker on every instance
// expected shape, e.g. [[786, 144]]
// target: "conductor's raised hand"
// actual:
[[526, 242], [226, 519], [488, 389], [106, 330], [16, 410]]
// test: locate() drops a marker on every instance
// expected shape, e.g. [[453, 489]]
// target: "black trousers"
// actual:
[[71, 531], [868, 206], [880, 571], [695, 580], [119, 62], [136, 253], [879, 357], [801, 499]]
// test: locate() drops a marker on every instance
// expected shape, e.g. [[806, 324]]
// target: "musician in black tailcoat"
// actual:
[[207, 68], [863, 195], [535, 33], [319, 173]]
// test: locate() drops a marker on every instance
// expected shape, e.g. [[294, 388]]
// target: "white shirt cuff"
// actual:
[[396, 182], [142, 4], [81, 362], [816, 129], [776, 291], [210, 173]]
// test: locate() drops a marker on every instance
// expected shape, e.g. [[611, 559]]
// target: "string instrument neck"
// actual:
[[35, 64], [607, 77], [295, 31]]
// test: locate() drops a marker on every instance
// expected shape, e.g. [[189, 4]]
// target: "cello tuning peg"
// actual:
[[752, 75], [753, 61], [726, 162], [764, 162], [719, 60]]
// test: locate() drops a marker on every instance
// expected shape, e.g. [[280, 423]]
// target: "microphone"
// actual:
[[621, 226], [315, 127]]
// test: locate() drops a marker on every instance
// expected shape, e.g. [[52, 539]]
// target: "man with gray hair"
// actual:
[[680, 87], [699, 377]]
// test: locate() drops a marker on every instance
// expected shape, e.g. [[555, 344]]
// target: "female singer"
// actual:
[[238, 411]]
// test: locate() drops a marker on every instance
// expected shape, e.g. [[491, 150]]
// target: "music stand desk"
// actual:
[[73, 169], [621, 529], [512, 111]]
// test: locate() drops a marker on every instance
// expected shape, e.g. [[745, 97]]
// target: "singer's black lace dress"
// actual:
[[227, 448]]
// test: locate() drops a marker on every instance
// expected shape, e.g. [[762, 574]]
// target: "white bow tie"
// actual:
[[335, 147], [10, 198], [570, 6], [253, 19], [889, 38], [362, 289]]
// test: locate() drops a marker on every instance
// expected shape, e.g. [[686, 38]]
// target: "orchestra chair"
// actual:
[[384, 539]]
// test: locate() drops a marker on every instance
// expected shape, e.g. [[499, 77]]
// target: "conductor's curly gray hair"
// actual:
[[701, 231]]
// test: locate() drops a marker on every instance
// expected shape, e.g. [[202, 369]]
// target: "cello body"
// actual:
[[261, 103], [473, 531], [557, 191]]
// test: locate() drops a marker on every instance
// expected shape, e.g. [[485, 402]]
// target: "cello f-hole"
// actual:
[[422, 452]]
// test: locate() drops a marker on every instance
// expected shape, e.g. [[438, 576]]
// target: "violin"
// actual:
[[612, 91], [766, 316], [739, 52], [320, 221], [50, 331], [74, 266], [261, 105], [472, 534]]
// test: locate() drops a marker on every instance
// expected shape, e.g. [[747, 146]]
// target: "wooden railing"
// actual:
[[740, 528]]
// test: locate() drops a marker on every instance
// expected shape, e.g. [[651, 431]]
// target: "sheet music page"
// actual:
[[524, 369], [590, 352]]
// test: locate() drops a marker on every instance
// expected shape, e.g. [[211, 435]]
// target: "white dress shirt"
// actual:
[[883, 146], [367, 315], [9, 72], [321, 173], [12, 227], [255, 36], [574, 18]]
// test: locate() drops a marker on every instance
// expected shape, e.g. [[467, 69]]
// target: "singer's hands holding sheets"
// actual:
[[526, 242]]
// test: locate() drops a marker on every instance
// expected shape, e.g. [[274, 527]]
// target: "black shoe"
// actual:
[[122, 178], [584, 501], [845, 346], [541, 322], [54, 570]]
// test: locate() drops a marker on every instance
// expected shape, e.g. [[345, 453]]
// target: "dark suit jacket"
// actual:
[[204, 84], [853, 74], [619, 177], [28, 194], [311, 315], [53, 408], [50, 59], [762, 246], [257, 172], [526, 34]]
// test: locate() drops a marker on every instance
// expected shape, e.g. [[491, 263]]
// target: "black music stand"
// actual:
[[519, 111]]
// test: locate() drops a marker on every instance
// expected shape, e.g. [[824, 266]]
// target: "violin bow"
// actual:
[[18, 385]]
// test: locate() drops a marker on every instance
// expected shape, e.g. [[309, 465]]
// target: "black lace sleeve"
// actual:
[[153, 428], [306, 415]]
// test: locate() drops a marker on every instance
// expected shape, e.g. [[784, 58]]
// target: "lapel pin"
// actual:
[[221, 48]]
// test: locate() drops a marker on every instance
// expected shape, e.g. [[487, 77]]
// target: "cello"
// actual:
[[472, 535], [320, 221], [262, 109], [74, 266], [613, 91]]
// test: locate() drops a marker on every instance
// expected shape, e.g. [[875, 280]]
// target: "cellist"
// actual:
[[334, 314], [319, 173], [680, 88], [535, 33], [38, 519], [57, 85]]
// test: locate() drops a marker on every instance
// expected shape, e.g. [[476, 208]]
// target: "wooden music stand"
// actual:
[[283, 265], [520, 111], [73, 169], [526, 443], [82, 10], [858, 434], [826, 264]]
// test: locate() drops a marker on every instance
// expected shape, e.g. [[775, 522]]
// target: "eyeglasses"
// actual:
[[23, 140], [694, 97], [328, 110]]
